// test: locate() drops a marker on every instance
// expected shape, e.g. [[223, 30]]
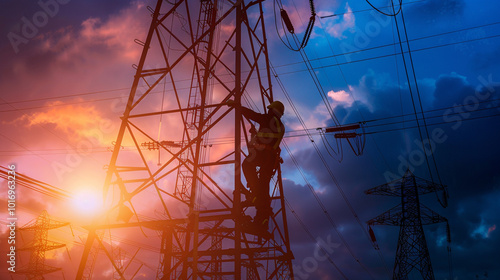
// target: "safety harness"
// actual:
[[275, 136]]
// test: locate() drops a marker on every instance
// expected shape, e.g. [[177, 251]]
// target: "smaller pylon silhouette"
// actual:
[[410, 215], [36, 268]]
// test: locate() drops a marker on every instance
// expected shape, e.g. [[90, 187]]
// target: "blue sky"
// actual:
[[87, 46]]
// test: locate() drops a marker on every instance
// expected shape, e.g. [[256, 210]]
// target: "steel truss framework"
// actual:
[[36, 269], [199, 63], [410, 215]]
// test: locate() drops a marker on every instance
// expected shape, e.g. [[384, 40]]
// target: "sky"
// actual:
[[64, 84]]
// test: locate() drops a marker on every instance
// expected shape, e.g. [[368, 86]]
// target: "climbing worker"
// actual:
[[263, 153]]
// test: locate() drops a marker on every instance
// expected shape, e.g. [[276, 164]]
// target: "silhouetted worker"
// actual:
[[263, 153]]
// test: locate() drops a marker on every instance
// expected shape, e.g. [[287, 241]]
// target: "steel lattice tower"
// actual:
[[198, 55], [36, 268], [410, 216]]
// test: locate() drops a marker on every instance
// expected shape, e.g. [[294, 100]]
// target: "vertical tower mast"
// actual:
[[197, 70]]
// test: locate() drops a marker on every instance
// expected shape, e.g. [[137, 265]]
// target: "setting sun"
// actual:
[[87, 202]]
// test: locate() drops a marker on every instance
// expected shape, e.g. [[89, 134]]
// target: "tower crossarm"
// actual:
[[425, 186], [429, 217], [391, 217], [50, 245], [393, 188], [44, 221], [53, 225], [389, 189]]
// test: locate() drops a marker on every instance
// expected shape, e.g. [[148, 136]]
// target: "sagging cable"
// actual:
[[285, 19]]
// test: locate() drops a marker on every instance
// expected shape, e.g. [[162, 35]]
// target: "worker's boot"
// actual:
[[250, 197], [257, 228], [261, 228], [262, 225], [261, 219]]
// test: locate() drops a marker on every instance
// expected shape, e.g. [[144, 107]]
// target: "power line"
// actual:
[[420, 101], [64, 96], [362, 117], [451, 114], [252, 105], [323, 208], [293, 63], [368, 10], [388, 55], [277, 66], [319, 87], [288, 134], [58, 105], [392, 44], [292, 105], [61, 104], [305, 60], [433, 110], [49, 130], [432, 124], [62, 195], [387, 14], [304, 227]]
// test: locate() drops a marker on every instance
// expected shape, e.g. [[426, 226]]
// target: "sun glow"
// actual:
[[87, 202]]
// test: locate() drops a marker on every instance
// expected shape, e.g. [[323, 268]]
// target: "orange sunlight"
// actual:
[[87, 202]]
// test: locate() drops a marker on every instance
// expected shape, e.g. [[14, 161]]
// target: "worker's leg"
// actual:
[[263, 201], [249, 167]]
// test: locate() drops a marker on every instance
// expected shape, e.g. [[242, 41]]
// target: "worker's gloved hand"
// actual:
[[230, 103]]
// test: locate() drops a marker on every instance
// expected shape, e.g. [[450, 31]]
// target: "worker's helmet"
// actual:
[[278, 107]]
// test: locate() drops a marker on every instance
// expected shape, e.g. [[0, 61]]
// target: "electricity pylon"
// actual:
[[36, 268], [410, 216], [197, 55]]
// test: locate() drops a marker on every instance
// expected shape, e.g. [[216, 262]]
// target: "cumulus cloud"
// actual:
[[341, 97], [483, 231], [336, 27]]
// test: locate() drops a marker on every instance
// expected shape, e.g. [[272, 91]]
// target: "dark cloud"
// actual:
[[473, 187], [431, 11], [451, 88], [485, 59], [468, 128], [66, 12]]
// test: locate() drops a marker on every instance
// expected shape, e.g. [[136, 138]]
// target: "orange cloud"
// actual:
[[76, 121]]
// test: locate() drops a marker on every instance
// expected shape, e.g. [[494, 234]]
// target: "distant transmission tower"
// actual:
[[410, 215], [36, 268], [197, 56]]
